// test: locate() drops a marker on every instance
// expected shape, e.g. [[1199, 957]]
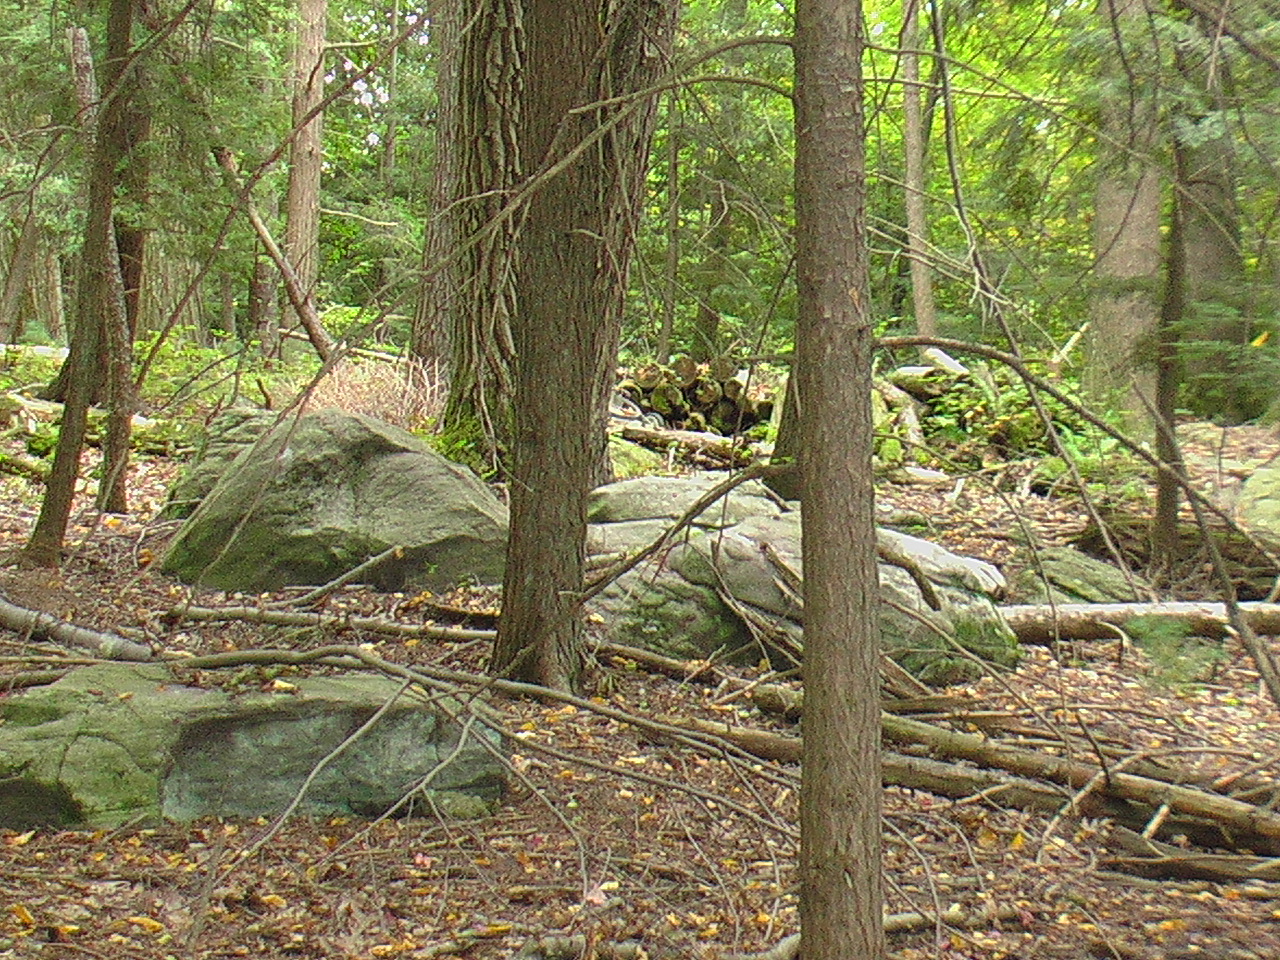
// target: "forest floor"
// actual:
[[613, 835]]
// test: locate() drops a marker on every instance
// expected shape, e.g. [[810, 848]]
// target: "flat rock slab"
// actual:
[[113, 743]]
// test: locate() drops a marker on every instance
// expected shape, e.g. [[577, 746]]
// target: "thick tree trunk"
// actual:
[[841, 897], [469, 297], [574, 248], [1125, 311]]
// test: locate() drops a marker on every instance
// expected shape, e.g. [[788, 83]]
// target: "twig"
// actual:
[[339, 582], [284, 618]]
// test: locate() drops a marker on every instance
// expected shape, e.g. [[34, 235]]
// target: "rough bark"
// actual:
[[468, 296], [841, 895], [1124, 312], [574, 249], [302, 205]]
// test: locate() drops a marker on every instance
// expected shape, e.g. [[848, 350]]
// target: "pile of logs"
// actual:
[[700, 397]]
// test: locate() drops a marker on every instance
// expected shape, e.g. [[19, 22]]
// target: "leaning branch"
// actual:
[[37, 624]]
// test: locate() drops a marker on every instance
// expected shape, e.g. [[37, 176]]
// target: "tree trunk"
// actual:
[[913, 140], [262, 312], [574, 248], [14, 293], [100, 301], [469, 282], [436, 287], [46, 289], [1165, 534], [841, 897], [128, 126], [302, 206], [786, 449], [1125, 311], [671, 278]]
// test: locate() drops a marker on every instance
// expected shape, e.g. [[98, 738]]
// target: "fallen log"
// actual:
[[1155, 860], [1242, 824], [40, 625], [1042, 623], [724, 449], [933, 776], [1207, 818]]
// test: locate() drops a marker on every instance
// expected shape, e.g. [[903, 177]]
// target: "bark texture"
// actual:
[[841, 893], [100, 308], [571, 273], [469, 283]]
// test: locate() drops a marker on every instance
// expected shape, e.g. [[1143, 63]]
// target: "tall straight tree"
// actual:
[[840, 882], [306, 155], [1125, 311], [584, 129], [913, 145], [468, 295]]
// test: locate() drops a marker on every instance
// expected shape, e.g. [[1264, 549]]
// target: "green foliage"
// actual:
[[186, 380], [1232, 380], [463, 443], [23, 371], [1178, 659], [991, 413], [42, 440]]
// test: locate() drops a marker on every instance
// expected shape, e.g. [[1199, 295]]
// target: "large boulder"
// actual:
[[724, 586], [111, 743], [226, 437], [319, 495]]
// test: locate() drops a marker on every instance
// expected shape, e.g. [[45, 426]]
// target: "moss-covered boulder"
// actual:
[[113, 743], [731, 573], [323, 493]]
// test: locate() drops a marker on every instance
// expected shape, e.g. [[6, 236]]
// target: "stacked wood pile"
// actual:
[[700, 397]]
